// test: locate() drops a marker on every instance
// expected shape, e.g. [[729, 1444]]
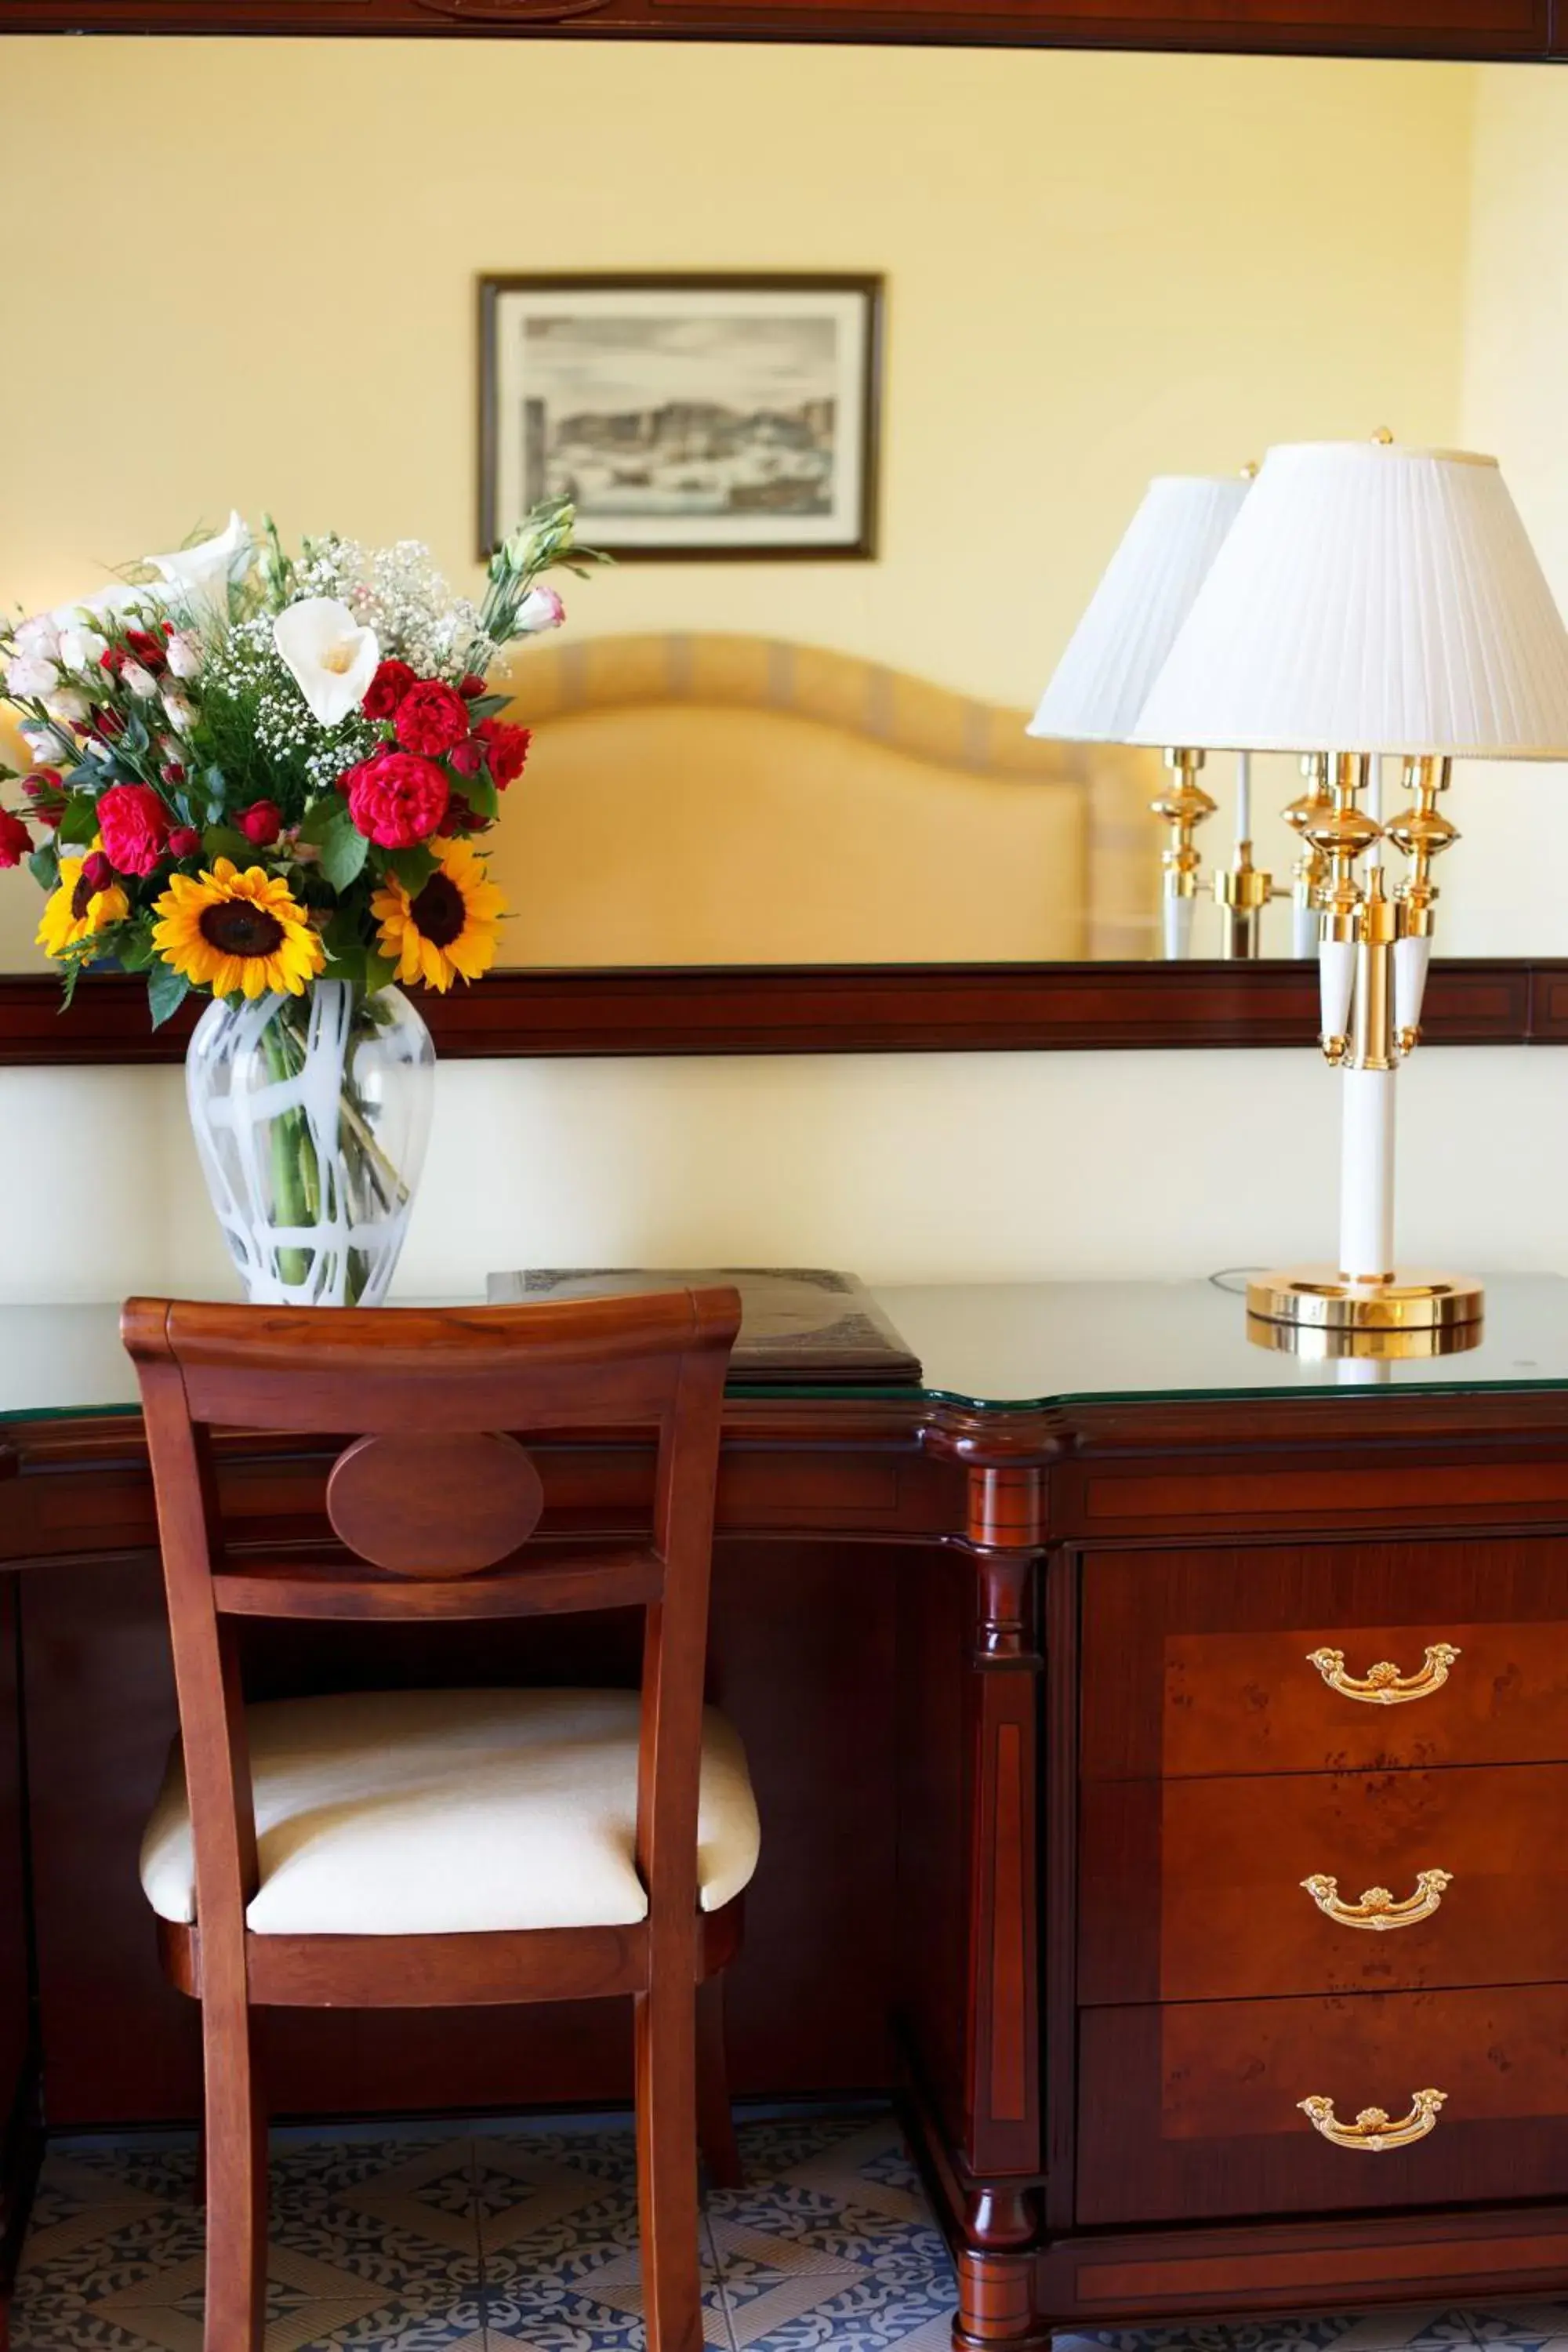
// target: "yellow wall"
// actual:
[[242, 273], [1141, 263], [1509, 874]]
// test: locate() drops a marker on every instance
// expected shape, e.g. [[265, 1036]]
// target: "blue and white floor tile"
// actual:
[[493, 2236]]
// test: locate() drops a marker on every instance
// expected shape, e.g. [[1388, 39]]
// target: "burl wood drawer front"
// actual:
[[1193, 2110], [1193, 1890], [1201, 1661]]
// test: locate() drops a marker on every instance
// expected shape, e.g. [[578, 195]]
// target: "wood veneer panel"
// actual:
[[1191, 1890], [839, 1008], [1196, 1662], [1190, 2111]]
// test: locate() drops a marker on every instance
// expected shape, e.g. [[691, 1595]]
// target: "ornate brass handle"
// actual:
[[1384, 1685], [1377, 1908], [1372, 2129]]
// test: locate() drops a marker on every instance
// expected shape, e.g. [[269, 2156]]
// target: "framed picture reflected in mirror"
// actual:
[[686, 416]]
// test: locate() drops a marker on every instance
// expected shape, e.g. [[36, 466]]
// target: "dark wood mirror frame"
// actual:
[[861, 1008], [1432, 28], [841, 1009]]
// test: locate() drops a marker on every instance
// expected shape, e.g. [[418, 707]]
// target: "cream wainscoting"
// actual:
[[909, 1168]]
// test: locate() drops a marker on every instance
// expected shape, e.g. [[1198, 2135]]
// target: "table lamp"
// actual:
[[1369, 601], [1119, 646]]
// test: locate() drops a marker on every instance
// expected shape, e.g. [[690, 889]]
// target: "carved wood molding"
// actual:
[[1444, 28], [841, 1009]]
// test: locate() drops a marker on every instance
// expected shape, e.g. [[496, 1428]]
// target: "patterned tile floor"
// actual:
[[432, 2241]]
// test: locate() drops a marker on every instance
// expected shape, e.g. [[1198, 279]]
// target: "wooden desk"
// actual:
[[1021, 1662]]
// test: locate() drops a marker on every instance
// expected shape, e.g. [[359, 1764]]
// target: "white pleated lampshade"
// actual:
[[1373, 599], [1117, 650]]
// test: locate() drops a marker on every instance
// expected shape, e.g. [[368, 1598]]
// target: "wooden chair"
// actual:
[[422, 1849]]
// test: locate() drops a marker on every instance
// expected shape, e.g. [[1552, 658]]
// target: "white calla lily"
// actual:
[[72, 621], [332, 658], [199, 576]]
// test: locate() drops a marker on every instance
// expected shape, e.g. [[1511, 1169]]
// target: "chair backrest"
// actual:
[[432, 1506]]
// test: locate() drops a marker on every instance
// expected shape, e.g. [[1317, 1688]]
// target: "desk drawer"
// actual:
[[1192, 1890], [1325, 1658], [1192, 2110]]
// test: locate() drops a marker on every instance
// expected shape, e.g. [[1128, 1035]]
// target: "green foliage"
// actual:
[[223, 841], [78, 826], [412, 867], [481, 795], [166, 991], [43, 865], [343, 848]]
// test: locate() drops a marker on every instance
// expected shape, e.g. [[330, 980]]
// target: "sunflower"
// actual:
[[446, 932], [74, 911], [236, 933]]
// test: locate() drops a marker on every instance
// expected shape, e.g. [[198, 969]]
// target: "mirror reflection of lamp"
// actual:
[[1119, 646], [1376, 600]]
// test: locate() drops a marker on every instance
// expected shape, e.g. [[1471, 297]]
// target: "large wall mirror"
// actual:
[[1097, 268]]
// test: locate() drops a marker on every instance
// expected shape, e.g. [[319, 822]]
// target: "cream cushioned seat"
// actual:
[[440, 1812]]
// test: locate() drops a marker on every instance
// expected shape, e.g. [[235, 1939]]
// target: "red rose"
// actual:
[[261, 823], [112, 658], [466, 757], [398, 800], [108, 724], [461, 818], [172, 772], [15, 841], [471, 687], [97, 872], [430, 718], [149, 648], [135, 825], [44, 789], [386, 689], [508, 749], [185, 841]]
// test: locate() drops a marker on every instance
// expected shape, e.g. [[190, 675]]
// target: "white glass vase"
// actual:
[[311, 1115]]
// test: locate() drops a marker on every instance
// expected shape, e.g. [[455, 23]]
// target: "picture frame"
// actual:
[[693, 416]]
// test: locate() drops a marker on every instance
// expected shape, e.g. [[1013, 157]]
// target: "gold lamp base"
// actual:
[[1314, 1312]]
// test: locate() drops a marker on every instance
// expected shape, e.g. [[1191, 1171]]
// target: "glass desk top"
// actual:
[[996, 1344]]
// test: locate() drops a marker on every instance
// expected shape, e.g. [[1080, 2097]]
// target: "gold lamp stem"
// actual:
[[1422, 833], [1373, 952], [1183, 804], [1311, 869]]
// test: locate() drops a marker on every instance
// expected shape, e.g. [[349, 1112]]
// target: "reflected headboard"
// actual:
[[715, 799]]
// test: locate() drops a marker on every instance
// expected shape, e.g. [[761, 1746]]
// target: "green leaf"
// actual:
[[345, 962], [343, 852], [43, 865], [481, 795], [380, 970], [223, 841], [166, 991], [412, 867], [486, 706], [135, 950], [322, 815], [78, 826]]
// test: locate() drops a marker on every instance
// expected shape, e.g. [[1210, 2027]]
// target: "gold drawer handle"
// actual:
[[1372, 2129], [1377, 1908], [1384, 1685]]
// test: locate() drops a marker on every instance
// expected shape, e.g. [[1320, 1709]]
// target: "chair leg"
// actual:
[[715, 2118], [236, 2137], [665, 2027]]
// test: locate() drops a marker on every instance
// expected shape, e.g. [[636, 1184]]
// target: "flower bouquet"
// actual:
[[265, 777]]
